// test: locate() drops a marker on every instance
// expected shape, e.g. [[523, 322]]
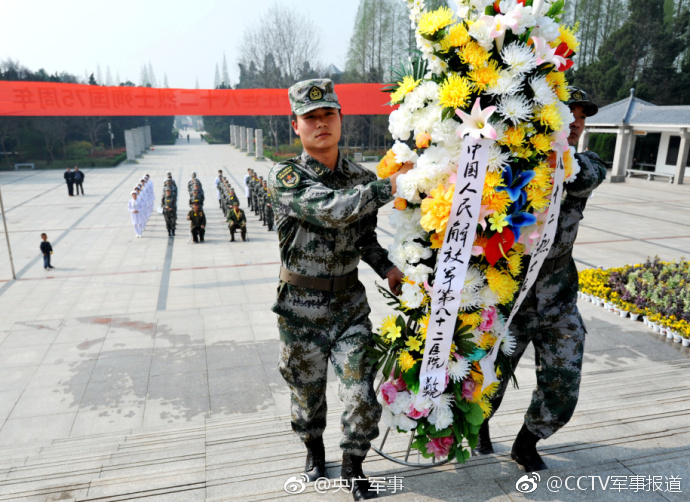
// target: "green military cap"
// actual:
[[235, 203], [309, 95], [579, 97]]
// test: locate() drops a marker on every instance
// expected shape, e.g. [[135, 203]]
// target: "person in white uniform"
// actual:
[[217, 182], [134, 205]]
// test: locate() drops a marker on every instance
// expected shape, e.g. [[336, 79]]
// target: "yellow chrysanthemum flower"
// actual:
[[550, 117], [568, 37], [473, 320], [414, 344], [484, 76], [515, 264], [455, 92], [436, 209], [405, 361], [457, 37], [513, 137], [559, 84], [432, 22], [474, 54], [388, 165], [486, 341], [541, 143], [568, 163], [522, 152], [424, 326], [407, 85], [502, 284], [386, 325], [493, 179], [485, 405], [538, 199], [498, 201]]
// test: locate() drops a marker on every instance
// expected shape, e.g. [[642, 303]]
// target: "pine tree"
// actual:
[[144, 78], [108, 76], [216, 78], [225, 77], [152, 76], [99, 75]]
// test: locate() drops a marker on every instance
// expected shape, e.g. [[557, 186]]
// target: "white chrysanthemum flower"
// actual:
[[419, 274], [407, 187], [566, 114], [481, 32], [415, 99], [500, 322], [405, 423], [403, 153], [407, 222], [474, 279], [441, 415], [429, 89], [400, 124], [414, 253], [458, 370], [470, 300], [498, 159], [508, 344], [543, 93], [515, 108], [412, 295], [388, 417], [396, 254], [487, 297], [402, 403], [519, 57], [506, 85], [424, 119]]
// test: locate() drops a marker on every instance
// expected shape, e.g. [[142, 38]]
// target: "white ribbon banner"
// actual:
[[451, 268], [539, 254]]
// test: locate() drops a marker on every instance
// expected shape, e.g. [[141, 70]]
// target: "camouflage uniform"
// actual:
[[549, 318], [326, 222], [169, 205]]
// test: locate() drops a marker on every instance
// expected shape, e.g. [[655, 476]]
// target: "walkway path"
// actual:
[[142, 367]]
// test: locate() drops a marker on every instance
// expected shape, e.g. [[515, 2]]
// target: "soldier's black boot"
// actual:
[[351, 471], [315, 467], [484, 446], [525, 451]]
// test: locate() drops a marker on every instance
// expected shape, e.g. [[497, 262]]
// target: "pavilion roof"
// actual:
[[639, 113]]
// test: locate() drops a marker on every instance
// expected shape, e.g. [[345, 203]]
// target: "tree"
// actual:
[[9, 130], [108, 76], [99, 75], [152, 76], [92, 80], [216, 78], [225, 77], [53, 130], [165, 81]]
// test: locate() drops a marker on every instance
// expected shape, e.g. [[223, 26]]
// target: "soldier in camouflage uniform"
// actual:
[[268, 208], [549, 318], [326, 209], [169, 205]]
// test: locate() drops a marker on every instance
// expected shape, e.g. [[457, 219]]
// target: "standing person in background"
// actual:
[[69, 179], [79, 179], [134, 205], [46, 250], [247, 192], [217, 182]]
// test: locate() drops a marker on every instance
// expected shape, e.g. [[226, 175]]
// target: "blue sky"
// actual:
[[183, 39]]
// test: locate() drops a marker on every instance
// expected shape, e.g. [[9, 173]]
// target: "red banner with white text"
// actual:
[[47, 99]]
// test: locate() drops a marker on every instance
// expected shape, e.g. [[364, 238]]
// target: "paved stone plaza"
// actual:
[[147, 368]]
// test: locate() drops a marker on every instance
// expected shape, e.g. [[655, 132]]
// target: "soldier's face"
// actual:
[[578, 125], [319, 130]]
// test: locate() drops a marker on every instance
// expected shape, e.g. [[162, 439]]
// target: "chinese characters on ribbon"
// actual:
[[451, 269], [539, 254]]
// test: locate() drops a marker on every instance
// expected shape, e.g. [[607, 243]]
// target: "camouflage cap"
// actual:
[[309, 95], [579, 97]]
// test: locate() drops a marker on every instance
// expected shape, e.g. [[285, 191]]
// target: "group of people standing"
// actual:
[[72, 178], [141, 205], [259, 198]]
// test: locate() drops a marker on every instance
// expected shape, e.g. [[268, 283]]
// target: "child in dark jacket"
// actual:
[[47, 250]]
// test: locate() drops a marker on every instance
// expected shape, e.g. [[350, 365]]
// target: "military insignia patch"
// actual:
[[577, 96], [288, 177], [315, 94]]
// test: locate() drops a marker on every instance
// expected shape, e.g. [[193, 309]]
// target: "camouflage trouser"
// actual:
[[327, 326], [170, 219], [550, 320]]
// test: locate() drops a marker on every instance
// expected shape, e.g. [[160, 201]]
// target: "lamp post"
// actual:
[[110, 133]]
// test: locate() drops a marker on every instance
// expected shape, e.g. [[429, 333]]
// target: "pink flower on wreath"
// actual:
[[440, 446], [389, 392], [400, 384], [489, 317], [417, 414], [468, 387]]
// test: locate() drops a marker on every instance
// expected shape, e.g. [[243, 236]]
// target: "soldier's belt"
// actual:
[[333, 285], [555, 263]]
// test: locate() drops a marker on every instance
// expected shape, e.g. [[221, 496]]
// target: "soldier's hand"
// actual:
[[404, 169], [395, 277]]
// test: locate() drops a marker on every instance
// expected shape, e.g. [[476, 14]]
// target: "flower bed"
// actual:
[[657, 290]]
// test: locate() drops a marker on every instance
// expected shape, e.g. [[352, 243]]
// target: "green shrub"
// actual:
[[78, 149]]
